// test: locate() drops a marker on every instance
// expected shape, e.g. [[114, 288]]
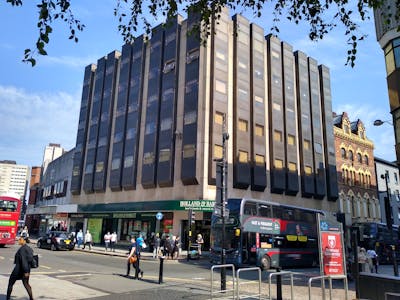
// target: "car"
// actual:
[[56, 240]]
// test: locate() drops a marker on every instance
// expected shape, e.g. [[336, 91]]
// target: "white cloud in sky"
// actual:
[[29, 122], [382, 136], [69, 61]]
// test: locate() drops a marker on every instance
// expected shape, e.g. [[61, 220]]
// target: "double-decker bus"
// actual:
[[266, 234], [10, 207], [379, 237]]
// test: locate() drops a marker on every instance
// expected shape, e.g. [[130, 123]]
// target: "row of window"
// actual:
[[349, 155], [349, 177], [392, 56], [58, 189]]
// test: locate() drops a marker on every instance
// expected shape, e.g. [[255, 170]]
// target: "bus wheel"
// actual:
[[266, 262], [2, 245]]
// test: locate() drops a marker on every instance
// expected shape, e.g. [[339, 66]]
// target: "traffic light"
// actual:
[[191, 216]]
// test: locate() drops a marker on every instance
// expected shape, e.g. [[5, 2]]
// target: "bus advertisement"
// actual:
[[10, 208], [266, 234]]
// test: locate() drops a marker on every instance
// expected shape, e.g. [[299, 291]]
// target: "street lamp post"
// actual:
[[389, 223], [379, 122]]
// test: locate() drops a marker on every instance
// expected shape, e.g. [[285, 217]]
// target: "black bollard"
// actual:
[[160, 273], [278, 285]]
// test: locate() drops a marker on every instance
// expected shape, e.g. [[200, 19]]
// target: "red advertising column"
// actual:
[[332, 253]]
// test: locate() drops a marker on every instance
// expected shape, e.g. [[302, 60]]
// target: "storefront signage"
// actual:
[[262, 225], [61, 215], [206, 205], [124, 215], [77, 215]]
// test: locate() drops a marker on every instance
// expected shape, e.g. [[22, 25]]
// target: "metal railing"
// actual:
[[278, 274], [230, 266], [329, 277], [238, 283]]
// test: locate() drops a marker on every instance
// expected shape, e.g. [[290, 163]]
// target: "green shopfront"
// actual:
[[146, 218]]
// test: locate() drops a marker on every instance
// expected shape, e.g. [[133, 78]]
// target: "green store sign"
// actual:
[[123, 210]]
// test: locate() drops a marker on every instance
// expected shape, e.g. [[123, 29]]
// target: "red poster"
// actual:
[[332, 253]]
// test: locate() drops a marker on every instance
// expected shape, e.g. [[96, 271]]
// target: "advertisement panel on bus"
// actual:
[[9, 214]]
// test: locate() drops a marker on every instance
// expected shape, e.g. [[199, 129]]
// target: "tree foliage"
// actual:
[[322, 17]]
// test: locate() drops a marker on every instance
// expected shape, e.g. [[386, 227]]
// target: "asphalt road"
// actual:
[[82, 275]]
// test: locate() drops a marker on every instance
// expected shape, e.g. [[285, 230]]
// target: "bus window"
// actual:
[[250, 208], [277, 212], [264, 211]]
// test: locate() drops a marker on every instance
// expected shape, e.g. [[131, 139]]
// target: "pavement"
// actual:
[[173, 288]]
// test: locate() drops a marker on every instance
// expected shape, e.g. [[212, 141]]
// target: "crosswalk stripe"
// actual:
[[2, 257]]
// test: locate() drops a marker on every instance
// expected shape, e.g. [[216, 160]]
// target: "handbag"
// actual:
[[35, 261], [133, 259]]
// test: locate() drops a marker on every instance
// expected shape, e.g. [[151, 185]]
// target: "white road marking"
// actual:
[[62, 271], [46, 267], [74, 275], [2, 257]]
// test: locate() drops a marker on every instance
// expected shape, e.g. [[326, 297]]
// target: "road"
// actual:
[[83, 275]]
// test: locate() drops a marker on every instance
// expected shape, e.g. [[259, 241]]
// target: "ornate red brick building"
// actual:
[[356, 172]]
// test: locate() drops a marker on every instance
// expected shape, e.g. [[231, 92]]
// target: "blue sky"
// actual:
[[40, 105]]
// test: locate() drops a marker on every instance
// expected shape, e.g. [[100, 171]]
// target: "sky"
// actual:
[[40, 105]]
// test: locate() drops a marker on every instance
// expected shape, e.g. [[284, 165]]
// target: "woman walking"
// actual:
[[23, 259]]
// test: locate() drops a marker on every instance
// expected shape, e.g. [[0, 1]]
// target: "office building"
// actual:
[[51, 152], [13, 178], [152, 118], [389, 39]]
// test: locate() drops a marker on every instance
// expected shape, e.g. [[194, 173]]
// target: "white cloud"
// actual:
[[382, 136], [68, 61], [31, 121]]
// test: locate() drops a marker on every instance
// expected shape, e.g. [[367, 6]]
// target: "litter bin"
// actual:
[[194, 251]]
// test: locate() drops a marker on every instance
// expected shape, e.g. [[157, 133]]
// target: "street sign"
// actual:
[[159, 216]]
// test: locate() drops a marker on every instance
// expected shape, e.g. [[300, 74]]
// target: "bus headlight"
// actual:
[[237, 232]]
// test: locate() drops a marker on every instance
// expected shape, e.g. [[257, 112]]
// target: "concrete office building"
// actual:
[[13, 178], [389, 40], [152, 118], [391, 170], [51, 152]]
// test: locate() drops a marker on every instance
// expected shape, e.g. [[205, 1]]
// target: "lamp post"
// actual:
[[379, 122], [389, 222]]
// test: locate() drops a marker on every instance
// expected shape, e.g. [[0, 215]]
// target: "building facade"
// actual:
[[391, 171], [389, 39], [358, 199], [152, 118], [13, 178], [52, 206], [51, 152]]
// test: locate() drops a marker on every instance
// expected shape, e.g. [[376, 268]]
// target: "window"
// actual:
[[165, 155], [278, 163], [89, 169], [318, 148], [130, 133], [306, 145], [308, 170], [366, 160], [242, 125], [359, 158], [387, 176], [260, 159], [220, 86], [343, 152], [392, 56], [115, 164], [99, 167], [218, 150], [150, 128], [219, 118], [128, 161], [277, 136], [166, 124], [243, 156], [351, 155], [395, 178], [292, 167], [148, 158], [290, 139], [191, 86], [190, 117], [189, 151], [192, 55], [118, 136], [169, 66], [259, 130], [276, 106]]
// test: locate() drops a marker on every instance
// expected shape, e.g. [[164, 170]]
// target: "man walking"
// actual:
[[23, 259], [88, 240], [107, 240], [113, 240]]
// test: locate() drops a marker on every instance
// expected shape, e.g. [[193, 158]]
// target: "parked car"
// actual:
[[56, 240]]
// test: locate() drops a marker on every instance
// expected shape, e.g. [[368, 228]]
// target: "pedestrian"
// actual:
[[113, 240], [157, 244], [107, 240], [363, 261], [22, 260], [174, 247], [178, 245], [79, 238], [199, 242], [167, 247], [374, 260], [88, 240], [139, 242], [25, 233], [134, 252]]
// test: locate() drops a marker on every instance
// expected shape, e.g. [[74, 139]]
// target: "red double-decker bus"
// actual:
[[10, 208]]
